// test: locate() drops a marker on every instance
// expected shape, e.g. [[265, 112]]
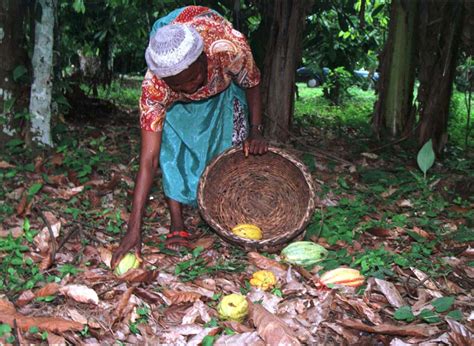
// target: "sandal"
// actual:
[[176, 240]]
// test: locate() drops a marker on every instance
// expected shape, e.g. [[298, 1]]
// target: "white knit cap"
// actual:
[[172, 49]]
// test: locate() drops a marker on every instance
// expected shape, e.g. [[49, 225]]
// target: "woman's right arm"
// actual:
[[149, 159]]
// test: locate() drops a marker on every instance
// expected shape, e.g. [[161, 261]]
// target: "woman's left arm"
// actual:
[[255, 143]]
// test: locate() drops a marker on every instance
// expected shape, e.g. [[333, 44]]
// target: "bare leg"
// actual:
[[176, 213], [178, 237]]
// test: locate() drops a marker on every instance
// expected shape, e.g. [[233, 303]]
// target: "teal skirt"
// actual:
[[195, 132]]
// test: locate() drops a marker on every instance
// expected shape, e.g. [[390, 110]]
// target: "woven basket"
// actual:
[[274, 191]]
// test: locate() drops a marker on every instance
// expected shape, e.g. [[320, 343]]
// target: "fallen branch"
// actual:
[[417, 330]]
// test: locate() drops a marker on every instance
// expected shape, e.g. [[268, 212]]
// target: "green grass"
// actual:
[[356, 112], [315, 110]]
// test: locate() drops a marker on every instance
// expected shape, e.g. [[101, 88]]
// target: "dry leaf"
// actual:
[[149, 296], [179, 286], [4, 164], [105, 255], [63, 193], [49, 289], [391, 190], [422, 233], [418, 330], [321, 309], [188, 329], [362, 309], [380, 232], [371, 156], [8, 314], [174, 314], [47, 260], [405, 203], [271, 328], [22, 205], [54, 339], [208, 284], [204, 242], [199, 309], [459, 334], [237, 327], [122, 304], [425, 279], [15, 232], [80, 293], [390, 292], [244, 339], [197, 339], [265, 263], [269, 301], [177, 297], [43, 238], [97, 275], [25, 297], [77, 316], [139, 275], [350, 336]]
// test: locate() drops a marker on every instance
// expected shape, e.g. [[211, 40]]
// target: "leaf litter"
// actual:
[[409, 240]]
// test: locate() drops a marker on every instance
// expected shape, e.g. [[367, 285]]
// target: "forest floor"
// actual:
[[62, 213]]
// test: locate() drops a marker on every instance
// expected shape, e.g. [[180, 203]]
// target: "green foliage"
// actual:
[[19, 72], [198, 266], [338, 223], [339, 36], [83, 159], [404, 313], [426, 157], [79, 6], [443, 304], [19, 273], [429, 316], [208, 340], [440, 305], [4, 329]]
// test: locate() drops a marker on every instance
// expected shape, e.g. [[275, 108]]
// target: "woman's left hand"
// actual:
[[255, 144]]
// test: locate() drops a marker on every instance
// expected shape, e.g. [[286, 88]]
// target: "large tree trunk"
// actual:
[[12, 55], [283, 51], [440, 33], [42, 62], [397, 71]]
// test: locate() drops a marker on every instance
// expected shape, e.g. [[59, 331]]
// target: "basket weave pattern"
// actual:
[[274, 191]]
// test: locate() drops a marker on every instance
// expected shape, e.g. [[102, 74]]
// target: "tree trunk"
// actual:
[[42, 62], [12, 55], [397, 66], [440, 33], [283, 51]]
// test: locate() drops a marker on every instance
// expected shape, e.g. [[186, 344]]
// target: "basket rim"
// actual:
[[270, 242]]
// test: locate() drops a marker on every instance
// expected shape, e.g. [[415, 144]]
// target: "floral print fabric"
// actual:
[[229, 59]]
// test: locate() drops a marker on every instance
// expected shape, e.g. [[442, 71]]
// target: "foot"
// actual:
[[177, 240]]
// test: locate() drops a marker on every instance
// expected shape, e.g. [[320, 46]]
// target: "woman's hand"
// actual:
[[255, 144], [129, 241]]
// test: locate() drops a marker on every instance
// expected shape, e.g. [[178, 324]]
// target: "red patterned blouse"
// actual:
[[229, 58]]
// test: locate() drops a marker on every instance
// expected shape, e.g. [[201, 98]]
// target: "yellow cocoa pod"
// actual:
[[248, 231], [129, 261], [342, 276], [263, 279], [233, 307]]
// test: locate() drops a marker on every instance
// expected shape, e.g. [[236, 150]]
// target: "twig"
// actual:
[[17, 340], [66, 237], [54, 243]]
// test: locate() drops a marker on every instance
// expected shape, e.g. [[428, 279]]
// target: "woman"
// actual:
[[201, 80]]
